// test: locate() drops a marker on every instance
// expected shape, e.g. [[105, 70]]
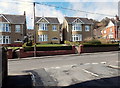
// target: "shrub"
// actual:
[[27, 44], [67, 42], [94, 42]]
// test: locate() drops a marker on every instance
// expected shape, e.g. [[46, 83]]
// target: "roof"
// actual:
[[15, 19], [84, 20], [49, 19]]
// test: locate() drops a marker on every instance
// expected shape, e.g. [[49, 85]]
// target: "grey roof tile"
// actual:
[[15, 19], [49, 19]]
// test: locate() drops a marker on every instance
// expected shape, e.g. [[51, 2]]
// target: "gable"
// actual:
[[42, 20], [3, 19], [77, 21], [110, 24]]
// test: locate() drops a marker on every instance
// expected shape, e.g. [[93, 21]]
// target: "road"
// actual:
[[17, 66], [71, 71]]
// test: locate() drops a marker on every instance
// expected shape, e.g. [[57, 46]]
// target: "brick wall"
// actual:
[[23, 54], [91, 49]]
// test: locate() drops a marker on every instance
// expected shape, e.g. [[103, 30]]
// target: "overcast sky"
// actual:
[[109, 7]]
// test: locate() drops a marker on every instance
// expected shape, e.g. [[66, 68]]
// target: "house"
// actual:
[[110, 32], [47, 30], [12, 28], [76, 29]]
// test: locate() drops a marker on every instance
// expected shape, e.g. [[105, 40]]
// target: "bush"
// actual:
[[27, 44], [94, 42], [28, 48]]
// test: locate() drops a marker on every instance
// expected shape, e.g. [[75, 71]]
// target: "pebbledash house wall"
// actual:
[[51, 34], [14, 36], [67, 31]]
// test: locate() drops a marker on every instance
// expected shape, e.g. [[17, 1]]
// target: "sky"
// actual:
[[17, 7]]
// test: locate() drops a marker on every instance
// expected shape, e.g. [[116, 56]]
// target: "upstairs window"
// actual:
[[54, 28], [43, 26], [4, 27], [87, 28], [76, 27], [17, 28]]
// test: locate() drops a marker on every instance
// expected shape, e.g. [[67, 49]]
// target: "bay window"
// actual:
[[43, 26], [4, 27], [77, 37], [43, 38], [4, 39], [76, 27]]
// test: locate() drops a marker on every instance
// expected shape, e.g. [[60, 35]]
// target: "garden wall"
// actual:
[[42, 51], [97, 48]]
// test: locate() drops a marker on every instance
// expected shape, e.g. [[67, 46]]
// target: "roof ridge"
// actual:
[[12, 14]]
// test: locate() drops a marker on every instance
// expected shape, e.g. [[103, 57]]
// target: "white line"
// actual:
[[117, 61], [86, 64], [103, 62], [94, 63], [90, 73]]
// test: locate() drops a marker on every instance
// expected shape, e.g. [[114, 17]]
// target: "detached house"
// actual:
[[110, 32], [12, 28], [47, 30], [76, 29]]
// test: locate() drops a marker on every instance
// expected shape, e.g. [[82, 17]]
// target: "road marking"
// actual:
[[117, 61], [103, 62], [90, 73], [94, 63], [86, 63]]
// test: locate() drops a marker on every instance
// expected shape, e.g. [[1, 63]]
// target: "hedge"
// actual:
[[48, 48], [100, 45]]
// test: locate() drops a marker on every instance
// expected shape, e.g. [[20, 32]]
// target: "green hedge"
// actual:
[[100, 45], [48, 48]]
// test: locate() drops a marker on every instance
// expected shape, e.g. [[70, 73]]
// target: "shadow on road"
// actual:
[[19, 81], [113, 82]]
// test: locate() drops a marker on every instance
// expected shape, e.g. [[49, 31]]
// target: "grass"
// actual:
[[48, 45], [13, 48]]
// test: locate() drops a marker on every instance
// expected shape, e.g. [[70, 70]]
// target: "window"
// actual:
[[104, 31], [77, 37], [111, 36], [43, 26], [17, 28], [54, 28], [4, 27], [76, 27], [4, 39], [43, 38], [87, 28], [55, 38], [110, 29]]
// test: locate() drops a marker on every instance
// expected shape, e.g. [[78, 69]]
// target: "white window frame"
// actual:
[[5, 27], [87, 28], [111, 30], [17, 28], [5, 39], [54, 27], [43, 38], [43, 26], [77, 27], [104, 32], [77, 37]]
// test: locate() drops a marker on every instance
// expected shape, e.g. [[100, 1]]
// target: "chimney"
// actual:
[[117, 18], [24, 13]]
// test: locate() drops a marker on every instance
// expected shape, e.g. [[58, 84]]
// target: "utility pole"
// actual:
[[34, 30]]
